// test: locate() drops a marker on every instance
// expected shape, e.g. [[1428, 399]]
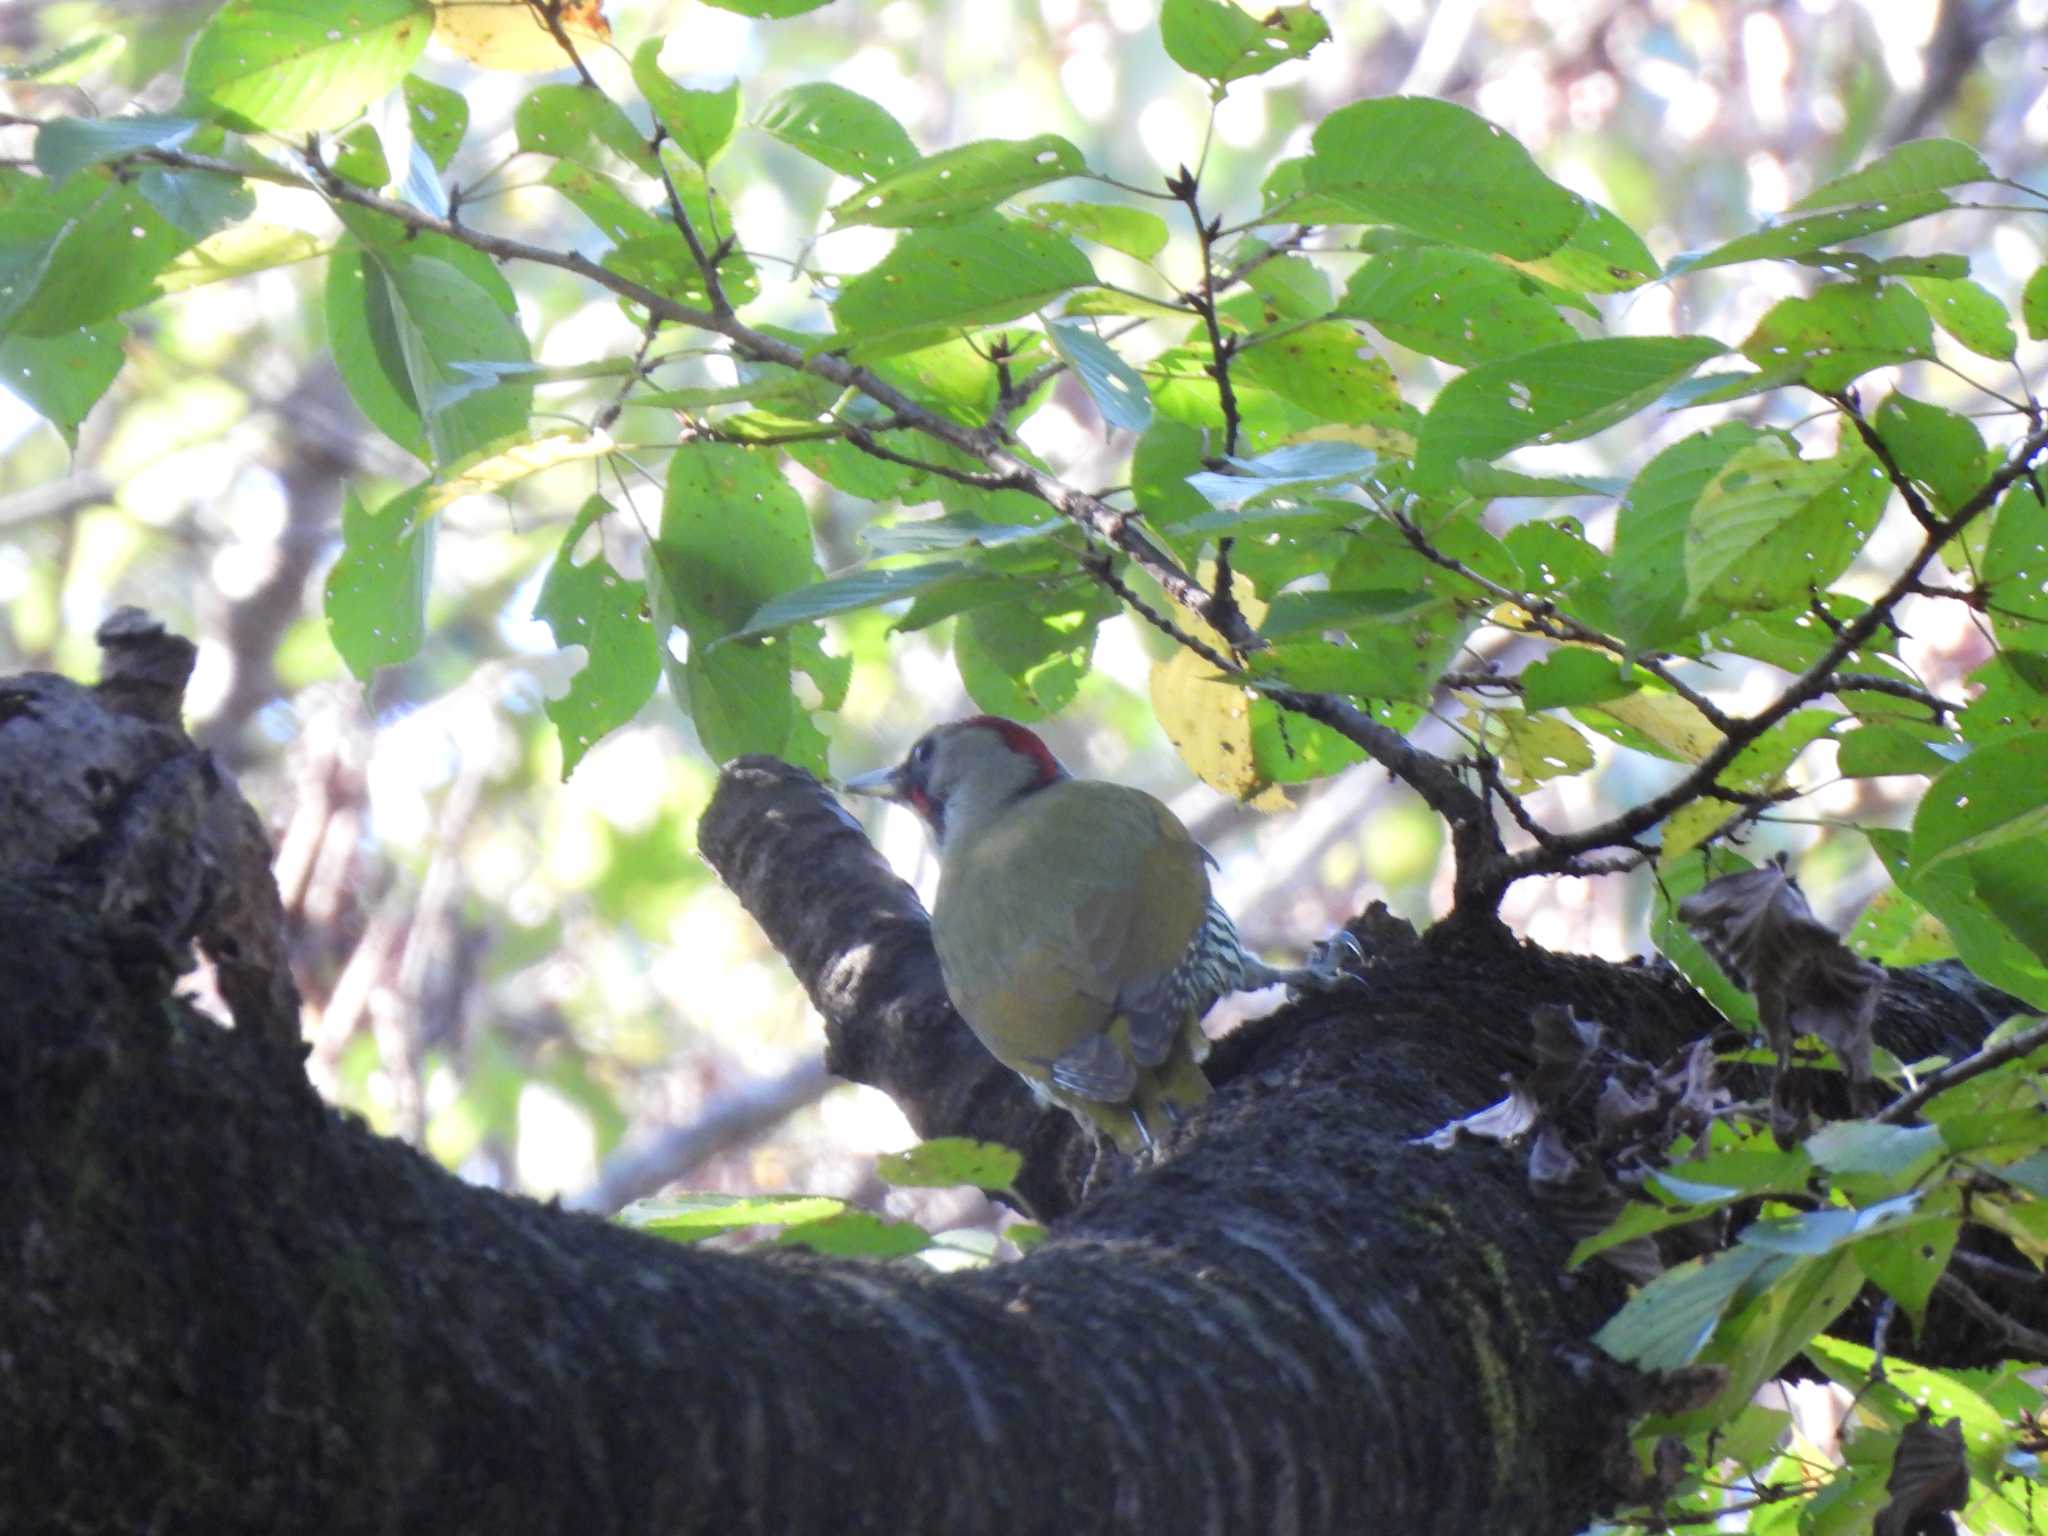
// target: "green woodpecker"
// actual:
[[1074, 925]]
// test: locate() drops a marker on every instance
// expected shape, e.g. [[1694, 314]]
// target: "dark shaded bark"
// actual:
[[224, 1306]]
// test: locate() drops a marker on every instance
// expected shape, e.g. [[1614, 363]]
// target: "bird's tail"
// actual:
[[1164, 1095]]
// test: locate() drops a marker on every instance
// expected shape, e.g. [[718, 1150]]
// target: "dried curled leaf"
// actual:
[[1930, 1477], [1506, 1120], [1758, 928]]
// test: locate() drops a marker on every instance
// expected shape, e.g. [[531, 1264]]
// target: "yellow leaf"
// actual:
[[1667, 720], [1689, 826], [1210, 722], [509, 35]]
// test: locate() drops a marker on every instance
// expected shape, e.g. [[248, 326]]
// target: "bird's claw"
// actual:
[[1334, 962]]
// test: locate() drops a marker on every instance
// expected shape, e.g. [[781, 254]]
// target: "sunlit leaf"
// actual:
[[979, 271], [839, 129], [304, 65], [1439, 170], [377, 590], [591, 605], [700, 122], [510, 35], [958, 183], [1220, 42], [949, 1161], [1556, 394]]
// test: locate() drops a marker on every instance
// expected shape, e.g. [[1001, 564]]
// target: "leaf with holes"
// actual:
[[1553, 395], [980, 271], [1438, 170], [840, 129], [1220, 42], [1459, 305], [1771, 528], [377, 591], [700, 122], [957, 183], [591, 605]]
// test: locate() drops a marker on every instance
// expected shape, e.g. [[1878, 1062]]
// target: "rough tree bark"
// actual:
[[225, 1306]]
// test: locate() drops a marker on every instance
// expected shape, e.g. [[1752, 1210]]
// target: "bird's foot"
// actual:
[[1333, 963]]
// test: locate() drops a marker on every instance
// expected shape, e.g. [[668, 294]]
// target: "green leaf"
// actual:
[[1771, 528], [1284, 471], [945, 1162], [1218, 42], [1554, 395], [1025, 659], [570, 122], [1906, 1265], [1970, 312], [1798, 237], [358, 157], [1134, 231], [980, 271], [1940, 450], [1898, 1152], [69, 64], [1844, 330], [851, 593], [81, 255], [1327, 368], [1651, 596], [691, 1218], [1906, 170], [439, 118], [2034, 304], [1896, 930], [739, 697], [413, 333], [1982, 942], [854, 1234], [67, 145], [768, 10], [1669, 1321], [839, 129], [1879, 750], [2014, 575], [377, 591], [1572, 675], [1533, 748], [1603, 256], [958, 183], [1987, 817], [1908, 1389], [700, 122], [1455, 304], [1117, 388], [296, 66], [591, 605], [1442, 171], [734, 534], [62, 377]]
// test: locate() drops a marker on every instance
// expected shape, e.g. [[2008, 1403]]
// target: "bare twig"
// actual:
[[1906, 1106]]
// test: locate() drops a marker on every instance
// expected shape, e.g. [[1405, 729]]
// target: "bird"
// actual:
[[1075, 927]]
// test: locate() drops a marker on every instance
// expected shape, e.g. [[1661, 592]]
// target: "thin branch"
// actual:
[[1184, 185], [1819, 678], [2016, 1333], [1555, 624], [1904, 1108], [1896, 687], [1916, 503]]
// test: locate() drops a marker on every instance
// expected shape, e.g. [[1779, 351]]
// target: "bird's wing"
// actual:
[[1120, 893]]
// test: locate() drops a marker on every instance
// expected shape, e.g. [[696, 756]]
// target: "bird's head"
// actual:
[[961, 773]]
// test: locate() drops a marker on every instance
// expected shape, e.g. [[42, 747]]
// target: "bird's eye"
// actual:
[[922, 752]]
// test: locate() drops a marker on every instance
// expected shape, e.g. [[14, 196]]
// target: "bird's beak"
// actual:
[[883, 784]]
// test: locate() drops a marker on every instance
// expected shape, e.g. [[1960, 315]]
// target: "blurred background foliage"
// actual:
[[535, 979]]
